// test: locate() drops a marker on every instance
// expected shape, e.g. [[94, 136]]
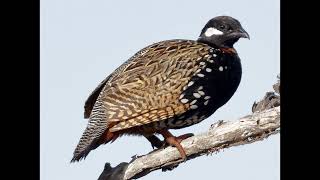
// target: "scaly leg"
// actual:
[[155, 141], [175, 141]]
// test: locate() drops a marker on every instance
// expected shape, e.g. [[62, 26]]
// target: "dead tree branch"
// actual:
[[264, 122]]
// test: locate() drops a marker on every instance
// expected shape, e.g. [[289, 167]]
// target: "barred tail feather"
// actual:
[[81, 153], [82, 150], [93, 135], [88, 141]]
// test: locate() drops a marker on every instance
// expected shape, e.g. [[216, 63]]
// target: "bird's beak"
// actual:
[[242, 33]]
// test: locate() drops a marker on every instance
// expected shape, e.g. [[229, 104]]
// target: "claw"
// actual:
[[184, 136], [169, 140], [175, 141]]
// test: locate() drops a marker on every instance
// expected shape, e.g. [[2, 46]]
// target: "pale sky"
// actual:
[[83, 41]]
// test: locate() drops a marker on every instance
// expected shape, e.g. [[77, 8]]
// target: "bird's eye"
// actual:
[[222, 26]]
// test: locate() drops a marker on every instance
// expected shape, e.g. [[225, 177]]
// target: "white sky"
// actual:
[[83, 41]]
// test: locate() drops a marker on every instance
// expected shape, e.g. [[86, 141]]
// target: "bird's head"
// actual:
[[222, 31]]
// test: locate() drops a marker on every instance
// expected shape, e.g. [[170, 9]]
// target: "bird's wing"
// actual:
[[93, 97], [91, 100], [145, 89], [149, 87]]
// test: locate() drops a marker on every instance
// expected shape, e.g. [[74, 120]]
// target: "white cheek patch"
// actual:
[[212, 31]]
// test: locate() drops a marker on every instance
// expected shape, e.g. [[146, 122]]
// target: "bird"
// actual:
[[171, 84]]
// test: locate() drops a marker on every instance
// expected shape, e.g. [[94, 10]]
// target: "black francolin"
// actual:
[[168, 85]]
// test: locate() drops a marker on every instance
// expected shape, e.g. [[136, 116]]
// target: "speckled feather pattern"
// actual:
[[170, 84]]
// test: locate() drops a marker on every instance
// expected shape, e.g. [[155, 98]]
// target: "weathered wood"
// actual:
[[264, 122], [221, 135]]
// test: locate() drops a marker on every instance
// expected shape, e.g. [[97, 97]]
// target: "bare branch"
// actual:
[[221, 135], [264, 122]]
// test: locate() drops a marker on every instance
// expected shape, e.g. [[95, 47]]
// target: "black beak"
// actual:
[[243, 33], [240, 33]]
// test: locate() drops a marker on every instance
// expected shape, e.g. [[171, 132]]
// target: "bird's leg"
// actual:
[[184, 136], [155, 141], [175, 141]]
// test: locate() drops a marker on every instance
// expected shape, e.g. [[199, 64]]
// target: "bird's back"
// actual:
[[170, 84]]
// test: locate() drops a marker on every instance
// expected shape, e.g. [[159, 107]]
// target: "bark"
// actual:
[[264, 121]]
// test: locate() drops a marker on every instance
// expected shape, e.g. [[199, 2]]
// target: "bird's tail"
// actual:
[[86, 144]]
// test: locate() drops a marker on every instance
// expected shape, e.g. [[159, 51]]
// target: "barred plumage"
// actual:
[[166, 85]]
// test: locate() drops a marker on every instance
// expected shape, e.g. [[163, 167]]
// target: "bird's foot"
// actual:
[[175, 141], [155, 141], [184, 136]]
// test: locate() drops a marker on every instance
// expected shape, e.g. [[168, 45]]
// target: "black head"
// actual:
[[222, 31]]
